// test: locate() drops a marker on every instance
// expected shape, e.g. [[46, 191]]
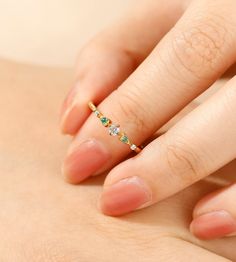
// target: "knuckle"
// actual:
[[182, 162], [200, 47], [131, 109]]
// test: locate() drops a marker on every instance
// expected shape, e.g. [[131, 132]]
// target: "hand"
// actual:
[[180, 48], [44, 219]]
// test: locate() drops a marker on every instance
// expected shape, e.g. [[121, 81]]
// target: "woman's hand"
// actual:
[[180, 48], [44, 220]]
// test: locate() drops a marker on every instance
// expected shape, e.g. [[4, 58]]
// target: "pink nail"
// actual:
[[125, 196], [84, 160], [68, 101], [213, 225], [74, 118], [74, 112]]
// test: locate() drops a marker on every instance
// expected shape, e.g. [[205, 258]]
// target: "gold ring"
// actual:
[[114, 129]]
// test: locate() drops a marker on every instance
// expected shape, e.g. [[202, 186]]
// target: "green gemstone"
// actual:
[[105, 121], [124, 139]]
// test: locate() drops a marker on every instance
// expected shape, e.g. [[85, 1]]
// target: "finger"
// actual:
[[109, 59], [215, 215], [198, 145], [184, 64]]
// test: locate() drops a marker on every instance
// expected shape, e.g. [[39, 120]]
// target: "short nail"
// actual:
[[125, 196], [68, 100], [74, 112], [73, 119], [84, 160], [212, 225]]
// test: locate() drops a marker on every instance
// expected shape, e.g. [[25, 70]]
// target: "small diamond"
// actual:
[[133, 147], [97, 113], [114, 130]]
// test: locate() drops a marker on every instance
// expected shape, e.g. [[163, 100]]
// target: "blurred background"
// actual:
[[50, 32]]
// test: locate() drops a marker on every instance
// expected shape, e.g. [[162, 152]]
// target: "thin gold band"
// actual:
[[114, 130]]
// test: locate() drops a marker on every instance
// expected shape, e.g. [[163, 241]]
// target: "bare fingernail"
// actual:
[[125, 196], [84, 160], [74, 112], [68, 100], [212, 225]]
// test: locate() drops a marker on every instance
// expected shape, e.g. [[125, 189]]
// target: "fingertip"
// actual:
[[125, 196], [217, 200], [71, 120], [74, 117], [83, 160], [212, 225], [68, 101]]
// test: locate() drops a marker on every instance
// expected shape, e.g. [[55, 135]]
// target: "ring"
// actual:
[[114, 129]]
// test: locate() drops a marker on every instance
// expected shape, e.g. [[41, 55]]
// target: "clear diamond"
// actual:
[[133, 147], [97, 113], [114, 130]]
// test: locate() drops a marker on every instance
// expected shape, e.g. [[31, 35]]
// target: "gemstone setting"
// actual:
[[105, 121], [133, 147], [97, 113], [114, 130], [124, 139]]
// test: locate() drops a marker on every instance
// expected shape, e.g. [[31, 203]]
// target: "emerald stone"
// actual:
[[124, 139], [105, 121]]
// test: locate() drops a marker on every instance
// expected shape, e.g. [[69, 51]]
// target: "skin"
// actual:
[[45, 219], [142, 71], [171, 51]]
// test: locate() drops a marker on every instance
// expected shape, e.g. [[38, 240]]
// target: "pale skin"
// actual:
[[45, 219], [141, 72]]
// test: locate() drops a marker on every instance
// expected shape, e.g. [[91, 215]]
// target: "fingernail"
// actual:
[[68, 101], [73, 118], [212, 225], [74, 112], [125, 196], [84, 160]]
